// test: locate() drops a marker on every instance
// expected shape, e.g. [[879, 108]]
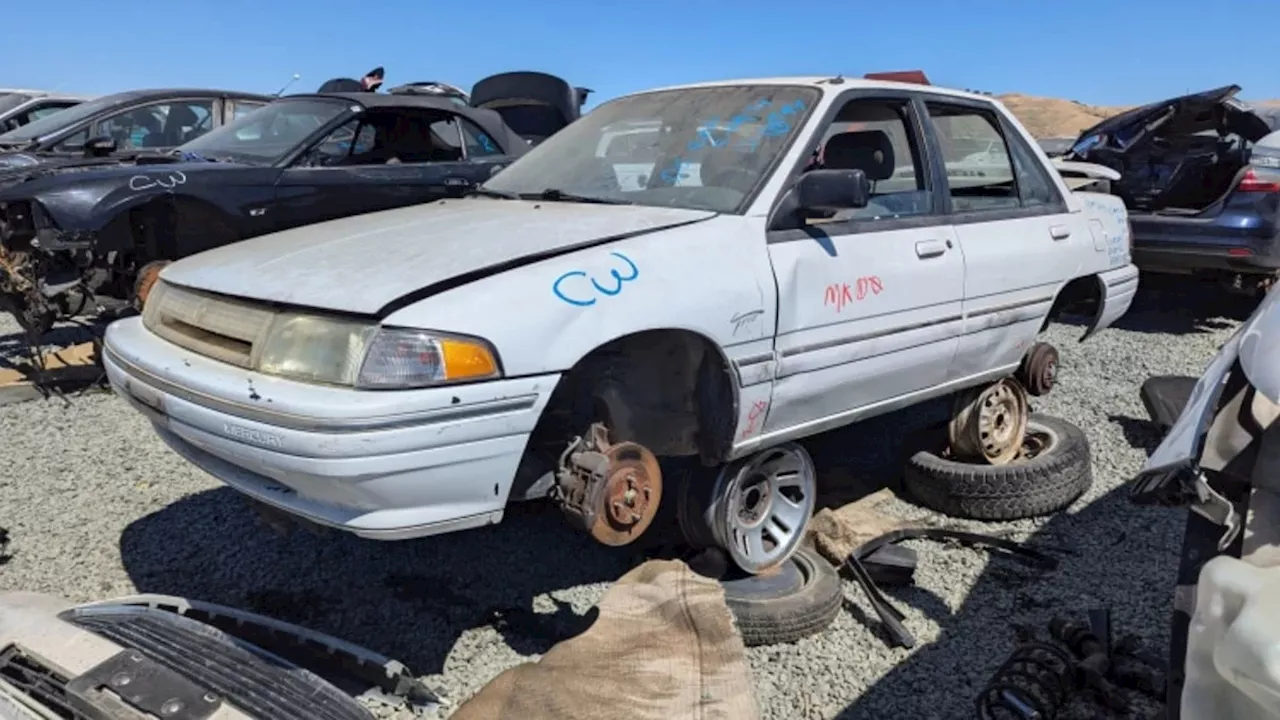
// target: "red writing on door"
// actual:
[[753, 417], [841, 294]]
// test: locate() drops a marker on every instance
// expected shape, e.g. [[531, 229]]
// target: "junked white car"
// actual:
[[411, 372]]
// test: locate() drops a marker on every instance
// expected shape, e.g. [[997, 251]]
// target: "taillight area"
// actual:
[[1258, 183]]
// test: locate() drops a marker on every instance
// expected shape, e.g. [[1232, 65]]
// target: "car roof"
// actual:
[[42, 94], [129, 96], [830, 84], [376, 100]]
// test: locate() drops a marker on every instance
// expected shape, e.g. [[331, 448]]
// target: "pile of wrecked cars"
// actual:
[[1200, 177], [785, 256], [82, 232]]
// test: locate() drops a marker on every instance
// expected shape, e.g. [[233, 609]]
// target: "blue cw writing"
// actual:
[[576, 295], [776, 124]]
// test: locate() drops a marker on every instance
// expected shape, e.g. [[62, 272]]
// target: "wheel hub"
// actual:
[[990, 424], [610, 491], [756, 510]]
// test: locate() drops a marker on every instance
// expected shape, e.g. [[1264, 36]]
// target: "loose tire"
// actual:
[[801, 598], [1027, 487]]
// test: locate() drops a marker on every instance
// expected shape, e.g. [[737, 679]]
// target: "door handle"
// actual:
[[1059, 232], [931, 248]]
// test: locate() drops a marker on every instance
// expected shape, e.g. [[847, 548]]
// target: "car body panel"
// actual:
[[1260, 347], [309, 265], [422, 459], [546, 283]]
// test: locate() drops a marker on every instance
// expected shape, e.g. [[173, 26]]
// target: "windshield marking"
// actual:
[[618, 281]]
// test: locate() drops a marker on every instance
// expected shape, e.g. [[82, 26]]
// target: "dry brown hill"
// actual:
[[1053, 117]]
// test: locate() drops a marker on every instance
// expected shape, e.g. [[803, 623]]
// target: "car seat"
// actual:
[[870, 151], [179, 126]]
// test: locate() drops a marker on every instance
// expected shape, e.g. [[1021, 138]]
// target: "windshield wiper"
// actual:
[[487, 192], [558, 195]]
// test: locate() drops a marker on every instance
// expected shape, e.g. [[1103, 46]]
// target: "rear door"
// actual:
[[869, 307], [1019, 241], [383, 159]]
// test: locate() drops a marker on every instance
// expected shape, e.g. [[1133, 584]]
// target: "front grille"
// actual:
[[261, 686], [37, 681], [215, 326]]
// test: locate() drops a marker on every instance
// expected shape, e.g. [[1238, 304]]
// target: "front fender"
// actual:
[[712, 278]]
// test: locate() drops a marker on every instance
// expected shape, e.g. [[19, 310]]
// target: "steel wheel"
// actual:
[[991, 423], [761, 505]]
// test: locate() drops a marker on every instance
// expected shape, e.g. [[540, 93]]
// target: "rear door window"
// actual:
[[979, 170]]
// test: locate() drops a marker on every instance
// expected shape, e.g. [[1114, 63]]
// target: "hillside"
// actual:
[[1053, 117]]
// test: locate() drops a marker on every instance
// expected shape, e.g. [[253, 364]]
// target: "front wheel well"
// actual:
[[671, 390]]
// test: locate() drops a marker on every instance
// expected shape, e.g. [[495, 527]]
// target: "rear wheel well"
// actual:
[[1081, 296], [670, 390]]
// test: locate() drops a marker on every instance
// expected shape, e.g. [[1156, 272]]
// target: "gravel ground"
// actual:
[[98, 507]]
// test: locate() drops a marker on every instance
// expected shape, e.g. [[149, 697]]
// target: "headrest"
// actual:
[[870, 151], [181, 115]]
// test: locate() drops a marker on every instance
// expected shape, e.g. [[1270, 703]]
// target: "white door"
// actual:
[[869, 300], [1019, 241]]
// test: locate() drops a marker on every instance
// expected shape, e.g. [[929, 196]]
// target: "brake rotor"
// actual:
[[632, 491], [989, 424], [1039, 369]]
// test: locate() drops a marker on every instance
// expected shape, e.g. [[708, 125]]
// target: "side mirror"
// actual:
[[833, 190], [100, 146]]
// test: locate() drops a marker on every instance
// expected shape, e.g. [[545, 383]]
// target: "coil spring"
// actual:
[[1035, 682]]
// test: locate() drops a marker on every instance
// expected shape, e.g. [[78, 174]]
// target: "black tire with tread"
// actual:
[[1042, 485], [771, 620]]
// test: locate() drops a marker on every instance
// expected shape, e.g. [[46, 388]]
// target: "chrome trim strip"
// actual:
[[756, 359], [846, 417], [319, 425], [850, 339], [1008, 306]]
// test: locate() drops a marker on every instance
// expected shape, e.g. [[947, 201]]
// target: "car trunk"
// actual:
[[1177, 157]]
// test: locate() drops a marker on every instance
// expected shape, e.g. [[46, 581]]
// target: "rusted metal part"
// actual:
[[990, 423], [147, 277], [1039, 370], [10, 263], [610, 491]]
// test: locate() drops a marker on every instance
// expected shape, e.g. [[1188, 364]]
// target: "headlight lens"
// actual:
[[413, 358], [344, 352], [316, 348]]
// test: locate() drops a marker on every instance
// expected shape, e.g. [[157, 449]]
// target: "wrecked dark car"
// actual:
[[1201, 180], [156, 656], [123, 124], [78, 239], [534, 104]]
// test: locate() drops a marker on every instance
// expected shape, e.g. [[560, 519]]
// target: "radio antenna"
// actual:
[[295, 79]]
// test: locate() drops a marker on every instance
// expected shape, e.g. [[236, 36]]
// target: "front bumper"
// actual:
[[386, 465]]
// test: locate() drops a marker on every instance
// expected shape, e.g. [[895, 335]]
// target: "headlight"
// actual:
[[316, 348], [343, 352]]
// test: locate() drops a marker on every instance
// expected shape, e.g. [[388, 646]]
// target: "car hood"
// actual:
[[19, 167], [362, 264], [1190, 114], [50, 172]]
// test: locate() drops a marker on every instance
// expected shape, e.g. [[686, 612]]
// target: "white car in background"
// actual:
[[19, 107], [413, 371]]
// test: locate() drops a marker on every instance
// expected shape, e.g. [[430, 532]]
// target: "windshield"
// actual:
[[50, 124], [268, 133], [697, 148]]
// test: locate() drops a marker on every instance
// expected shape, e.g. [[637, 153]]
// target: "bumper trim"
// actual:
[[310, 424]]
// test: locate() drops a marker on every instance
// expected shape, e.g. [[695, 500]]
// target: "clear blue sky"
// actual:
[[1112, 52]]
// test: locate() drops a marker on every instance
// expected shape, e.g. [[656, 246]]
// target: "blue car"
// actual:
[[1200, 175]]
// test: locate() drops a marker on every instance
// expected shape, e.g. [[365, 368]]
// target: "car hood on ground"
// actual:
[[1191, 114], [361, 264]]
